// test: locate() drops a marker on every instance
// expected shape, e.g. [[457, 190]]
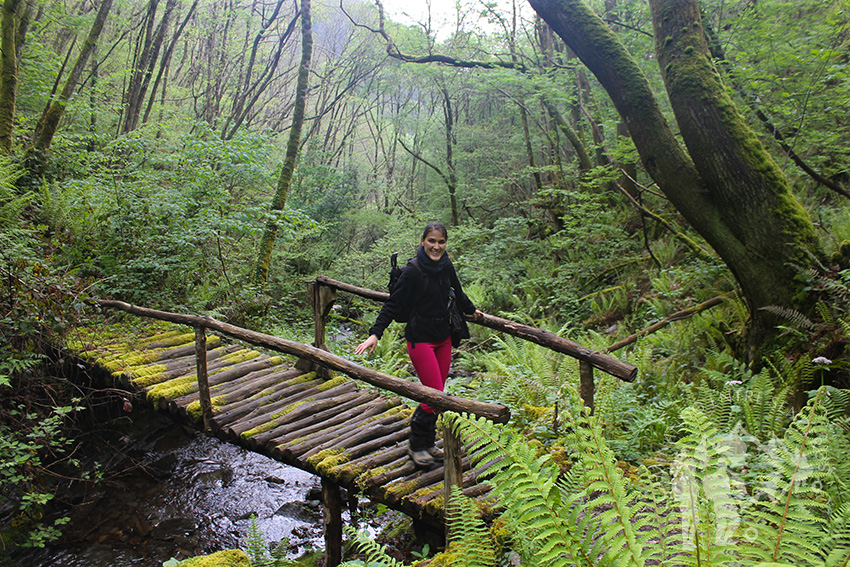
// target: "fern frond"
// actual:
[[470, 542], [792, 316], [837, 547], [705, 491], [764, 405], [655, 517], [787, 520], [376, 555], [609, 507], [526, 484]]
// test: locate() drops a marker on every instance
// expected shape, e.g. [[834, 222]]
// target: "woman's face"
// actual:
[[434, 244]]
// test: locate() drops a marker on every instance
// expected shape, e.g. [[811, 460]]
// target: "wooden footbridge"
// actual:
[[309, 415]]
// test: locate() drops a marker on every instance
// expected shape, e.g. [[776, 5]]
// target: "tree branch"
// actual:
[[395, 53], [423, 160]]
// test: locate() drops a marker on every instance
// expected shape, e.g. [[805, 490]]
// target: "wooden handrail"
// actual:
[[600, 360], [411, 390]]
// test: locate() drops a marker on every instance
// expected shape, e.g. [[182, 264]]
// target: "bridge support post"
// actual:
[[203, 379], [322, 297], [332, 519], [452, 470], [587, 388]]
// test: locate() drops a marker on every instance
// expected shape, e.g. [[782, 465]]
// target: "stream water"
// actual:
[[168, 491]]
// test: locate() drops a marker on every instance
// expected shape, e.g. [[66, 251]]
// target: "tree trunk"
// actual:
[[166, 59], [726, 185], [250, 88], [45, 130], [143, 69], [8, 73], [264, 257], [450, 164]]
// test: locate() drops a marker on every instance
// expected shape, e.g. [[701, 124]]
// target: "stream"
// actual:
[[170, 491]]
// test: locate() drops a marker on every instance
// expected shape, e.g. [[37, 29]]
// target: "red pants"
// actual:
[[431, 362]]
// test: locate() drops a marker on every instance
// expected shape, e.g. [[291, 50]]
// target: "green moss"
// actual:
[[144, 358], [422, 492], [308, 377], [173, 388], [168, 339], [290, 408], [332, 383], [689, 49], [364, 476], [143, 372], [262, 428], [352, 470], [436, 505], [327, 460], [239, 356], [226, 558], [445, 559], [402, 488], [193, 410]]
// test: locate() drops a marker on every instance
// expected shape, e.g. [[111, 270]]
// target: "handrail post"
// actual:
[[452, 469], [203, 379], [587, 388], [332, 522], [322, 298]]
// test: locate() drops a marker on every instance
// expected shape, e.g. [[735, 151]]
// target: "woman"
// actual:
[[422, 292]]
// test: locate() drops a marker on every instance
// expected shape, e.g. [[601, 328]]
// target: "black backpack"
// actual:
[[395, 273]]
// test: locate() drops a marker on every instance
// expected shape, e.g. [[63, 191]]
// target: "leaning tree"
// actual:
[[723, 181]]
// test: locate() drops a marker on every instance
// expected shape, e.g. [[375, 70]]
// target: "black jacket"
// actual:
[[425, 297]]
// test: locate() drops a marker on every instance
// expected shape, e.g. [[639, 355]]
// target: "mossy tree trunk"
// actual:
[[264, 256], [9, 22], [725, 184], [46, 128]]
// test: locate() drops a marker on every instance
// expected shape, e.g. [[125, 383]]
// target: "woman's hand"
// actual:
[[369, 344], [477, 315]]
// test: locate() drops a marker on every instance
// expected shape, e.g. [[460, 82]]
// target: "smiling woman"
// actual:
[[422, 292]]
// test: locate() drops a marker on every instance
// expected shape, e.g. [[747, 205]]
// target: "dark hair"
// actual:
[[435, 225]]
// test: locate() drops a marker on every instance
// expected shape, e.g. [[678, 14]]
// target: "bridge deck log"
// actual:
[[351, 437]]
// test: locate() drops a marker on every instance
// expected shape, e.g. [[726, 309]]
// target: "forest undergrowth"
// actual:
[[705, 459], [708, 458]]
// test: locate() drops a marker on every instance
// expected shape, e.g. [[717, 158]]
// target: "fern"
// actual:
[[795, 318], [701, 514], [704, 489], [376, 555], [786, 523], [608, 510], [255, 543], [838, 544], [656, 514], [535, 503], [471, 544]]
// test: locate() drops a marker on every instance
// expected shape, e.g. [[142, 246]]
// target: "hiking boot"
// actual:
[[422, 459], [436, 453]]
